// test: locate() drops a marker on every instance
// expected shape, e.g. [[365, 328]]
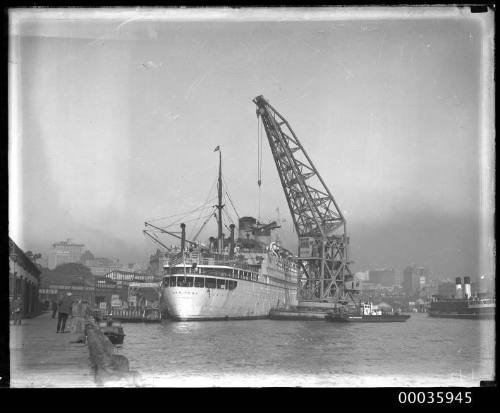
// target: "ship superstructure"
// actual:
[[201, 285]]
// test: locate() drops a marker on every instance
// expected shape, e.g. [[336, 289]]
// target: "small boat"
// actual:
[[151, 315], [365, 314], [113, 330]]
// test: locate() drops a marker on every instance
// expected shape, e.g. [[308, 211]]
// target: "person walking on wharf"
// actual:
[[17, 308], [64, 310], [80, 311]]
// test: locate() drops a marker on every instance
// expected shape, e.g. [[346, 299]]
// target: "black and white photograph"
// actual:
[[251, 197]]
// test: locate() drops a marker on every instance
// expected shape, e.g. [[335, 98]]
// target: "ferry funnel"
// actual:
[[467, 288], [458, 288]]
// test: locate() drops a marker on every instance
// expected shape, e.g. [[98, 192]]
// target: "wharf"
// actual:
[[39, 357], [133, 316], [299, 313]]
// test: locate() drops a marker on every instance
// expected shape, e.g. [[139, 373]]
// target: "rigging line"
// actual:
[[188, 220], [234, 208], [189, 212], [229, 197], [179, 214], [192, 232], [181, 219], [228, 216]]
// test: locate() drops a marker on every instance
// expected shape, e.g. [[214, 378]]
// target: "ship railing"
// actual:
[[215, 259]]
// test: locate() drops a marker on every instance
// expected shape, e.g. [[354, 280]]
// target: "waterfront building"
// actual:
[[24, 279], [64, 252], [113, 289]]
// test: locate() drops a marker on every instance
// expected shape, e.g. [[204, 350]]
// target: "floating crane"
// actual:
[[323, 254]]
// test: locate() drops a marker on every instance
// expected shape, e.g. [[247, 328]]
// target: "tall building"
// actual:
[[384, 276], [414, 279], [64, 252]]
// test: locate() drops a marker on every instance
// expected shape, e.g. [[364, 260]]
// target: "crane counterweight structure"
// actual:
[[323, 252]]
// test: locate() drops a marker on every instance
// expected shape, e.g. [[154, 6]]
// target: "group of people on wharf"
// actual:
[[76, 310], [65, 308]]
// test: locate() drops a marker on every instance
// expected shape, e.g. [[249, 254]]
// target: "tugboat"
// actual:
[[365, 314], [112, 330]]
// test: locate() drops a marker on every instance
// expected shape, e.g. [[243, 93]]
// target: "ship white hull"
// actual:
[[248, 300]]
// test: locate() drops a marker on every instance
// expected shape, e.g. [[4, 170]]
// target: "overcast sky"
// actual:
[[114, 119]]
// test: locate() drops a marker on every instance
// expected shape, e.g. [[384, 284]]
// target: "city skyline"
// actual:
[[118, 118]]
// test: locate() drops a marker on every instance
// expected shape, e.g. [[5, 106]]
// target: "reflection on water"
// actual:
[[423, 351]]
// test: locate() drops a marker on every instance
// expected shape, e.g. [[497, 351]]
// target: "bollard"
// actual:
[[108, 367]]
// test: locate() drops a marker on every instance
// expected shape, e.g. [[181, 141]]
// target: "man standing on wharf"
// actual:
[[64, 310], [54, 307]]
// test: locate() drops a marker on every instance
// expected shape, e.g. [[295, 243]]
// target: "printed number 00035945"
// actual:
[[430, 397]]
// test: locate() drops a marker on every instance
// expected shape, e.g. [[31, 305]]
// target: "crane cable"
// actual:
[[259, 157]]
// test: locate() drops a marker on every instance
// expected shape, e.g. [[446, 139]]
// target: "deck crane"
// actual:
[[323, 253]]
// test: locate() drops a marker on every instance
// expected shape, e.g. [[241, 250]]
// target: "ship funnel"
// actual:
[[458, 288], [183, 237], [467, 289], [231, 241]]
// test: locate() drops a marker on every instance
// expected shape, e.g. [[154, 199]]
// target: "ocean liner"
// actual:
[[230, 278], [463, 304]]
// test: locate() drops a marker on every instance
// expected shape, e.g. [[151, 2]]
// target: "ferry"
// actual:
[[471, 308], [463, 304]]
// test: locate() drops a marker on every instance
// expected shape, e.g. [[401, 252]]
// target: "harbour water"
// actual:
[[423, 351]]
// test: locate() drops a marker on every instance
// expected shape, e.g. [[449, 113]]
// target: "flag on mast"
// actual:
[[217, 148]]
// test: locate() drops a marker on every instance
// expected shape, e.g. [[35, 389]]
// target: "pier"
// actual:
[[39, 357]]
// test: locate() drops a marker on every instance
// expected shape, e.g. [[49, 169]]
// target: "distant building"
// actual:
[[385, 277], [64, 252], [87, 255], [24, 279], [414, 279], [158, 261], [362, 276], [101, 266], [446, 288], [135, 267]]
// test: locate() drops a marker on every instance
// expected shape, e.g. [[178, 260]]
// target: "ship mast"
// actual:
[[220, 240]]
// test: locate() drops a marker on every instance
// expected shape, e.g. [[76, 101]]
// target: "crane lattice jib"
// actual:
[[313, 207], [323, 257]]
